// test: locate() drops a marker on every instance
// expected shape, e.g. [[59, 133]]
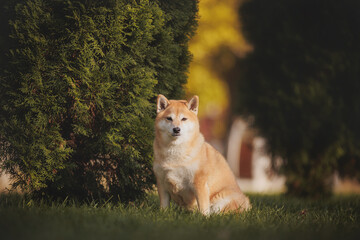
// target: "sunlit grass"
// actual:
[[272, 217]]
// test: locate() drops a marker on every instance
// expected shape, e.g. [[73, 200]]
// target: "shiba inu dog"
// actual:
[[188, 170]]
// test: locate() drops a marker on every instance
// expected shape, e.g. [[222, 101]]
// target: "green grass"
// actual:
[[272, 217]]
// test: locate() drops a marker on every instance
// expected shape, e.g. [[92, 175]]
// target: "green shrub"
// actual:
[[301, 83], [77, 92]]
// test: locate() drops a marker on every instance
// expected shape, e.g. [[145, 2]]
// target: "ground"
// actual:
[[272, 217]]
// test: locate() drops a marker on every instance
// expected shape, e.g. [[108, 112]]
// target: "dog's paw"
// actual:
[[206, 212]]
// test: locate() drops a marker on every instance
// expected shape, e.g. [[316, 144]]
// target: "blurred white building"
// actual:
[[251, 165], [248, 160]]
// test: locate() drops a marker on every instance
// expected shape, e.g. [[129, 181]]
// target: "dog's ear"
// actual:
[[193, 104], [162, 103]]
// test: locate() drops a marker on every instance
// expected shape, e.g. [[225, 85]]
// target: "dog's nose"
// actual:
[[176, 130]]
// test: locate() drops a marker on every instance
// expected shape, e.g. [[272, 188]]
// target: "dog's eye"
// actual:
[[169, 118], [183, 119]]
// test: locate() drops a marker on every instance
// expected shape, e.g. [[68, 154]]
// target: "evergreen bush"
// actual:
[[78, 88], [301, 83]]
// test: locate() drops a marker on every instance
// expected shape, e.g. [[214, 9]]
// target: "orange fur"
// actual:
[[188, 170]]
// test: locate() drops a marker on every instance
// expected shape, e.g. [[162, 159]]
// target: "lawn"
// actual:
[[272, 217]]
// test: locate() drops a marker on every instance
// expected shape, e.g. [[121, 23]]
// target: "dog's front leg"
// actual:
[[164, 196], [202, 194]]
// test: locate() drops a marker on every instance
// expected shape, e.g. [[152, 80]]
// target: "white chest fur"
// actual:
[[175, 171], [177, 177], [177, 181]]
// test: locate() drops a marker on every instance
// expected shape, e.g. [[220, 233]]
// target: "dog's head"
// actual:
[[177, 120]]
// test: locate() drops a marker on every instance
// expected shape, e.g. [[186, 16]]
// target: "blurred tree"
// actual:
[[77, 91], [215, 48], [302, 85]]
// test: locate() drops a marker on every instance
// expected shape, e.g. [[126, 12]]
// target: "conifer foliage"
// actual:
[[77, 91]]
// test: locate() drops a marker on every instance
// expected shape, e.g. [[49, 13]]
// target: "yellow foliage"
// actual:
[[210, 89], [219, 28]]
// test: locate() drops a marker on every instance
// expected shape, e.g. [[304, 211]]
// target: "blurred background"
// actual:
[[279, 91]]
